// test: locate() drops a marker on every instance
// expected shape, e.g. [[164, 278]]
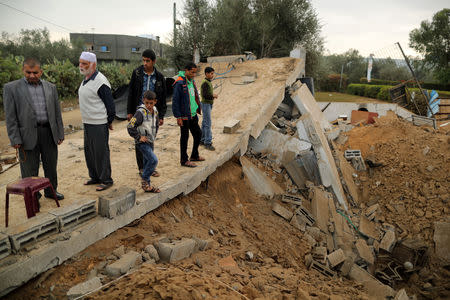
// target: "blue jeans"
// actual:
[[150, 160], [206, 124]]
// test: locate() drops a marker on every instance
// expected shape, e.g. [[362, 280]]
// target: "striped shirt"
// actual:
[[38, 101]]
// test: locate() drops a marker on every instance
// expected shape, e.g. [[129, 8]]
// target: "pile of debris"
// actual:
[[122, 261], [357, 242]]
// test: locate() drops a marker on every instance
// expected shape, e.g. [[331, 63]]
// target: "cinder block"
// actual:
[[287, 198], [336, 257], [73, 215], [320, 254], [322, 269], [401, 295], [281, 211], [231, 126], [388, 241], [176, 250], [5, 246], [298, 222], [32, 231], [124, 264], [306, 215], [349, 154], [117, 202]]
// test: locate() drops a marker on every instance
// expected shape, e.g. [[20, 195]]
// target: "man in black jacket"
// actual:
[[145, 78]]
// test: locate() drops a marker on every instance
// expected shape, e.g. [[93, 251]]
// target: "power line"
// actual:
[[41, 19]]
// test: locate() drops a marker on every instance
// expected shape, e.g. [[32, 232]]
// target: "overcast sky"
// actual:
[[367, 26]]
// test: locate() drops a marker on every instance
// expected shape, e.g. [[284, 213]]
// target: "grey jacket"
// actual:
[[21, 121]]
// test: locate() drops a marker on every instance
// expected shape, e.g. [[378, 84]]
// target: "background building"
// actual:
[[117, 47]]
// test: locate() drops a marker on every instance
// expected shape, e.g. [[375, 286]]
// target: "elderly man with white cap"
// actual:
[[97, 113]]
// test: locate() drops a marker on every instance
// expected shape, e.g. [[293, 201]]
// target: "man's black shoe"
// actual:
[[59, 196]]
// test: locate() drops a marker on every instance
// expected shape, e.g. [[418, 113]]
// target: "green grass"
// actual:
[[341, 97]]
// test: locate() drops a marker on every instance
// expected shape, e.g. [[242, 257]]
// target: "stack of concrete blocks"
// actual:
[[315, 125], [70, 216]]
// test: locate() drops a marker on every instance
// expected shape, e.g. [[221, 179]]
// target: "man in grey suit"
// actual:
[[34, 123]]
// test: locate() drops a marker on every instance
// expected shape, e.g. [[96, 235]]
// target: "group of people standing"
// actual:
[[35, 127]]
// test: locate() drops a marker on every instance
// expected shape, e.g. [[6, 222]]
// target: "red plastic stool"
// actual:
[[28, 188]]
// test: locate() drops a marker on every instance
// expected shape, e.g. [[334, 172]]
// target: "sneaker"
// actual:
[[210, 147]]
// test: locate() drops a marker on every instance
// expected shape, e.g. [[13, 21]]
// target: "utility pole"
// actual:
[[415, 77], [174, 26]]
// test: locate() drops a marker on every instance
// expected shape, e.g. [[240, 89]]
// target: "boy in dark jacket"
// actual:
[[146, 78], [208, 96], [185, 106], [143, 127]]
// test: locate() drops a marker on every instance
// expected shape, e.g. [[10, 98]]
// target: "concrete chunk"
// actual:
[[231, 126], [117, 202], [260, 183], [319, 206], [298, 222], [32, 231], [124, 264], [84, 288], [368, 228], [401, 295], [388, 241], [176, 250], [336, 257], [281, 211], [364, 251], [375, 288], [151, 250], [442, 240]]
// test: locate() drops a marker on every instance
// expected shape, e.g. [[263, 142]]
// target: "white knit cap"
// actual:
[[89, 56]]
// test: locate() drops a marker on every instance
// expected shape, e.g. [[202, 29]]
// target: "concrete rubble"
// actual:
[[84, 288]]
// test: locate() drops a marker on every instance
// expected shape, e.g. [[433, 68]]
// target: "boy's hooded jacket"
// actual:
[[181, 106], [144, 123]]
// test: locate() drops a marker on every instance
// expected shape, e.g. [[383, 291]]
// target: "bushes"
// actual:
[[331, 82], [64, 75], [381, 91], [424, 85]]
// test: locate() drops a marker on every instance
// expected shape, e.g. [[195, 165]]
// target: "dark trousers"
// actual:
[[192, 126], [45, 150], [96, 152]]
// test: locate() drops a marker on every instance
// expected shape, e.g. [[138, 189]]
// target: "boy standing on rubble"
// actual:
[[208, 96], [143, 127]]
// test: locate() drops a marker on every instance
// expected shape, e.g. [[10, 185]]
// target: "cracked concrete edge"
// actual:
[[50, 255]]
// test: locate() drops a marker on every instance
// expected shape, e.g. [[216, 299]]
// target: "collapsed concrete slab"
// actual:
[[262, 184]]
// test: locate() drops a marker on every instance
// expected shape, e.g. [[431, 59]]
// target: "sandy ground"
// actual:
[[236, 101], [241, 222]]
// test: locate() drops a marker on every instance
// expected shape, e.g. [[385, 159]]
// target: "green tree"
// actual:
[[432, 40]]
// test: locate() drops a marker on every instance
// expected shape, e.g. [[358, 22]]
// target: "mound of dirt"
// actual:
[[412, 188], [227, 211]]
